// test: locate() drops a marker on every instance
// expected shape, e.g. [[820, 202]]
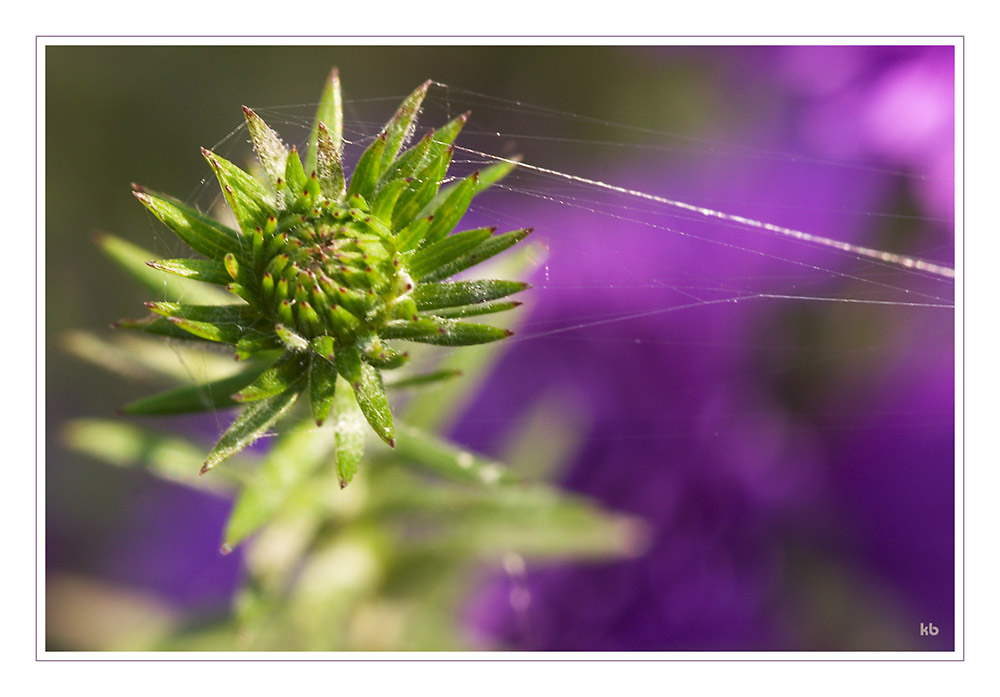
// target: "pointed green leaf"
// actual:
[[329, 113], [410, 330], [367, 170], [322, 387], [386, 199], [488, 176], [205, 270], [489, 248], [250, 203], [473, 310], [222, 333], [194, 398], [349, 429], [451, 210], [158, 326], [278, 377], [410, 162], [241, 314], [452, 333], [421, 191], [401, 125], [348, 364], [271, 152], [329, 166], [423, 450], [445, 136], [295, 178], [201, 233], [413, 234], [290, 464], [250, 425], [429, 296], [433, 256], [443, 332], [366, 382]]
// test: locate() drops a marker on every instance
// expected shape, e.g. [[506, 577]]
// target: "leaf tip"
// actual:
[[225, 549]]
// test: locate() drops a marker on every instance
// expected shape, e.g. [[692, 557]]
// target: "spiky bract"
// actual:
[[330, 269]]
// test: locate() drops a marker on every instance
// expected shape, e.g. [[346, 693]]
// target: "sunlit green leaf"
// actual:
[[271, 152], [329, 112], [490, 247], [433, 256], [400, 126], [429, 296], [250, 425], [200, 232]]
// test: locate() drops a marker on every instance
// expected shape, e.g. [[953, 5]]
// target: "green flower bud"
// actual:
[[331, 268]]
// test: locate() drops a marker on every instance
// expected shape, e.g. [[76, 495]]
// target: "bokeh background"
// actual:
[[793, 458]]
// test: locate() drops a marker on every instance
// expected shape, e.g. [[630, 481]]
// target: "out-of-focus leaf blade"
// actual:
[[422, 379], [431, 453], [195, 398], [124, 445], [293, 460]]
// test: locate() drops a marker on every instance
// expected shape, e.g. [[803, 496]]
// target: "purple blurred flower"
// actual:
[[689, 430], [893, 104]]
